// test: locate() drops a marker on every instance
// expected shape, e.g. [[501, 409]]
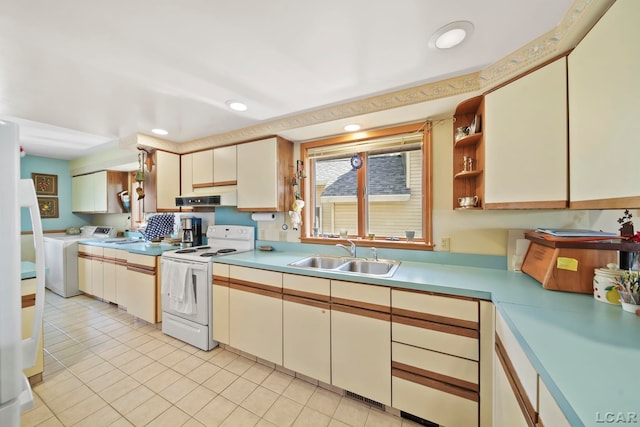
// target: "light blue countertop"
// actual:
[[586, 352], [131, 246], [28, 270]]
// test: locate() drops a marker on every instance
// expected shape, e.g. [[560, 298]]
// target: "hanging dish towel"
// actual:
[[177, 285], [159, 226]]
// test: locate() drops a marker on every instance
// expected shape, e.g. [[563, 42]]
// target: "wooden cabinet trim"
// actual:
[[255, 290], [440, 327], [308, 295], [307, 301], [437, 294], [544, 204], [220, 281], [527, 408], [203, 185], [223, 183], [437, 385], [433, 318], [254, 285], [632, 202], [362, 305], [141, 269], [28, 300], [361, 312], [436, 376]]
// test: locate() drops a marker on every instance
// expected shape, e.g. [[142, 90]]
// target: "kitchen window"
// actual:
[[376, 185]]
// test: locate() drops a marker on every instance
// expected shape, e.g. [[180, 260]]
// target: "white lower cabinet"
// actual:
[[142, 294], [507, 410], [306, 326], [220, 295], [121, 279], [255, 312], [435, 357], [110, 278], [515, 394], [361, 340], [84, 270], [550, 414]]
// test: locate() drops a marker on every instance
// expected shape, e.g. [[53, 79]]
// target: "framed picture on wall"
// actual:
[[48, 207], [46, 185]]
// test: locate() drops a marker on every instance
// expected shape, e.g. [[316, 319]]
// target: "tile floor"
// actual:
[[103, 367]]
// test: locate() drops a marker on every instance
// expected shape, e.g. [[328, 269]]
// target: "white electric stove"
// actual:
[[187, 313]]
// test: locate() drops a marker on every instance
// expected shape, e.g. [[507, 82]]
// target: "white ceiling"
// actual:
[[106, 70]]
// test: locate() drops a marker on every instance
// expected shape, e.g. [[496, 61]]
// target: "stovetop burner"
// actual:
[[185, 251], [192, 250], [219, 251]]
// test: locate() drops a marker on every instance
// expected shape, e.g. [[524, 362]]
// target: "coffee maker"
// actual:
[[191, 232]]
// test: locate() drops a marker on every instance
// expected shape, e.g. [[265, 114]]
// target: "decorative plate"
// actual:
[[356, 161]]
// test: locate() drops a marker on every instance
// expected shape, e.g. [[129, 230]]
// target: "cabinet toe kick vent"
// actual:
[[364, 399], [418, 420]]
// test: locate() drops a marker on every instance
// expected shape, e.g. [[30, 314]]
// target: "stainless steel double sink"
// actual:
[[356, 266]]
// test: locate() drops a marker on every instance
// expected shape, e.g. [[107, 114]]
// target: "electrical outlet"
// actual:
[[445, 244]]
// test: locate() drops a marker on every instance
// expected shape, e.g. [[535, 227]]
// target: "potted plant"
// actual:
[[628, 286]]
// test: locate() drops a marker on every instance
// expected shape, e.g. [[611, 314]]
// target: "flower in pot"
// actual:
[[628, 286]]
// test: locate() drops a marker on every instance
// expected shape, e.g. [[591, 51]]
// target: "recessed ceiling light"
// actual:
[[352, 127], [236, 105], [451, 35], [159, 131]]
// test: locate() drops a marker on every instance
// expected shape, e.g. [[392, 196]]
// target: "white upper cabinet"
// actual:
[[224, 165], [202, 169], [167, 180], [186, 173], [525, 133], [98, 192], [265, 169], [603, 110]]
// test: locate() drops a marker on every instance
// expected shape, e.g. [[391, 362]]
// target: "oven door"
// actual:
[[199, 278]]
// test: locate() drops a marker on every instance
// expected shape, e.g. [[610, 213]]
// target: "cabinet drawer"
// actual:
[[114, 254], [91, 250], [438, 366], [141, 260], [249, 276], [221, 271], [447, 339], [360, 295], [524, 370], [434, 401], [442, 309], [307, 287]]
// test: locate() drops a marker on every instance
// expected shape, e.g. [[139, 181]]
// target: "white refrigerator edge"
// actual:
[[16, 354]]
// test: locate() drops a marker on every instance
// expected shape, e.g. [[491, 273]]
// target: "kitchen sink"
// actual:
[[320, 261], [370, 267], [356, 266]]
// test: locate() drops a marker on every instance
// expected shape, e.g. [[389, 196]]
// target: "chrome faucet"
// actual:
[[374, 254], [351, 250]]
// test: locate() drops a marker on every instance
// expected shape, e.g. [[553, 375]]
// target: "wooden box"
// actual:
[[565, 268]]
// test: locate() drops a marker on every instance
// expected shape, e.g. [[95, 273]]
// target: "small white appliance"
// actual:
[[187, 300], [61, 258], [16, 354]]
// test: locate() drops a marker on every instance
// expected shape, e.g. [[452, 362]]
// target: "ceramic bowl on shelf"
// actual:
[[468, 201]]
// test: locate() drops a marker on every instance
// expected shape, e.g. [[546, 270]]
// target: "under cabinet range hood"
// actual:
[[222, 196]]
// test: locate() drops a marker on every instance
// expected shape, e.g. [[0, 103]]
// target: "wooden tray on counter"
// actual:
[[565, 264]]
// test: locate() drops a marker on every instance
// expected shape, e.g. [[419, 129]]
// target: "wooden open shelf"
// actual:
[[468, 174], [472, 139], [469, 182]]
